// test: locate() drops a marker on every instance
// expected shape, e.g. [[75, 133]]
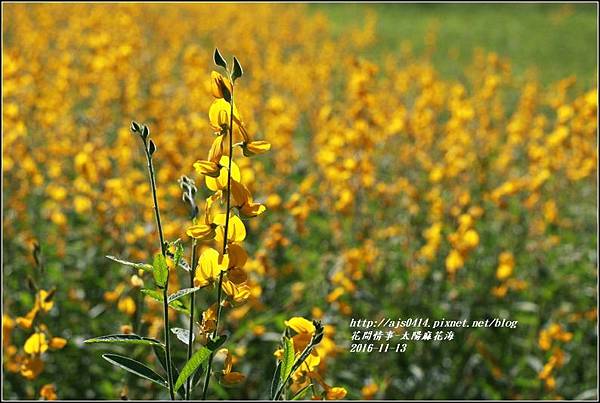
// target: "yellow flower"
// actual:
[[232, 378], [220, 182], [237, 256], [48, 392], [454, 261], [209, 168], [236, 232], [336, 393], [31, 367], [255, 148], [369, 391], [300, 325], [243, 200], [221, 87], [210, 264], [216, 149], [44, 301], [218, 114], [36, 344], [201, 231], [127, 305], [57, 343], [237, 292]]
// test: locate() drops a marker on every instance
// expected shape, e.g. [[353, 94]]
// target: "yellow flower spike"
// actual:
[[208, 168], [201, 231], [31, 367], [255, 147], [57, 343], [300, 325], [220, 86], [210, 264], [36, 344], [48, 392], [236, 230], [220, 182]]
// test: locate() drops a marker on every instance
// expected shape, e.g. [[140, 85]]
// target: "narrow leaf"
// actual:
[[181, 293], [287, 361], [125, 339], [190, 367], [135, 367], [219, 61], [161, 271], [237, 70], [139, 266], [183, 334]]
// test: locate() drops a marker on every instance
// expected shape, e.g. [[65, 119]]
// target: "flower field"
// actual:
[[334, 170]]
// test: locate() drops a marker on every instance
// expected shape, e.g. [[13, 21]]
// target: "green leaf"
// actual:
[[219, 61], [135, 367], [237, 70], [287, 361], [301, 392], [161, 271], [275, 382], [190, 367], [124, 339], [139, 266], [157, 295], [182, 334], [181, 293]]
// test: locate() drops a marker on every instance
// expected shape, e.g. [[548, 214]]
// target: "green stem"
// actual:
[[225, 236], [163, 251], [190, 349]]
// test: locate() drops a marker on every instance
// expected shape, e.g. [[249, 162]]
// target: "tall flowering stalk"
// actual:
[[224, 266], [221, 266]]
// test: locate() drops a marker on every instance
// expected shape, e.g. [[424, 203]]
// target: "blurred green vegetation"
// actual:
[[552, 41]]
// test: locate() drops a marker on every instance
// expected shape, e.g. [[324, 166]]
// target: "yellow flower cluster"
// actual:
[[547, 337]]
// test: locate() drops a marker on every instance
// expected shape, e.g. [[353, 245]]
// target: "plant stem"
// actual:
[[225, 236], [166, 288], [190, 349]]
